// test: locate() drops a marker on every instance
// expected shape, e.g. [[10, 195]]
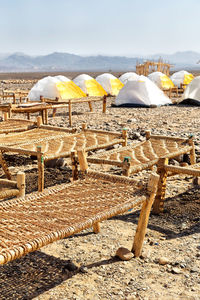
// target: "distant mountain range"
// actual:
[[20, 62]]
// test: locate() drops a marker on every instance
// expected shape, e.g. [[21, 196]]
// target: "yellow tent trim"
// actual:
[[188, 78], [69, 90], [116, 85], [166, 82], [94, 88]]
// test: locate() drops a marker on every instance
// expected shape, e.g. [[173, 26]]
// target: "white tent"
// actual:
[[161, 80], [52, 87], [141, 92], [182, 77], [89, 85], [111, 84], [128, 75], [192, 92]]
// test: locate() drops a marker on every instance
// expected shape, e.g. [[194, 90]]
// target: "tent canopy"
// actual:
[[141, 92], [111, 84], [89, 85], [182, 77], [161, 80], [128, 75], [52, 87], [192, 92]]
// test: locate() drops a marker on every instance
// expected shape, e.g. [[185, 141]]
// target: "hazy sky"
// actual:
[[91, 27]]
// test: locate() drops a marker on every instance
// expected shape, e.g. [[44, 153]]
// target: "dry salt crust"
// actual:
[[174, 235]]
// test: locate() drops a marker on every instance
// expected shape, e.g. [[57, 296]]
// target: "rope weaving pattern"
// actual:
[[27, 224], [60, 144], [15, 125], [144, 152]]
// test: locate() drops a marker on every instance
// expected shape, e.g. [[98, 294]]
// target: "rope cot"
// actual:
[[29, 223], [15, 125], [145, 154], [46, 143]]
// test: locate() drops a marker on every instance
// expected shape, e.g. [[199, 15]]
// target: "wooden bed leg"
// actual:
[[192, 152], [158, 205], [46, 116], [21, 183], [104, 104], [40, 169], [4, 166], [144, 216], [148, 134], [84, 126], [70, 113], [90, 106], [124, 136], [82, 160], [54, 112], [126, 166], [74, 166], [96, 227], [5, 116], [39, 121]]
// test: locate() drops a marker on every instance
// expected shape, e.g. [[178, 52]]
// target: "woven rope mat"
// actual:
[[32, 222], [59, 144], [30, 136], [144, 152], [14, 125]]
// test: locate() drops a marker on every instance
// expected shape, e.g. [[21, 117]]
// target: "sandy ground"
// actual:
[[96, 272]]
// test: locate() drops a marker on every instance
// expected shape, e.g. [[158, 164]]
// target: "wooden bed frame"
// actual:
[[146, 154], [46, 104], [49, 142], [10, 188], [41, 218]]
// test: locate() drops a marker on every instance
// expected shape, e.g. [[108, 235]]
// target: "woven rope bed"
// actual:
[[145, 154], [29, 223], [51, 144], [16, 125]]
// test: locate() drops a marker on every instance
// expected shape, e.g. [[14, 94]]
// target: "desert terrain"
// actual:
[[84, 266]]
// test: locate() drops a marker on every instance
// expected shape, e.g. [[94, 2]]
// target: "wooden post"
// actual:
[[74, 165], [104, 104], [70, 113], [124, 136], [192, 152], [43, 110], [54, 109], [82, 160], [90, 106], [46, 116], [21, 183], [4, 166], [148, 134], [84, 126], [160, 196], [144, 216], [5, 116], [14, 98], [39, 121], [96, 227], [40, 169], [126, 166]]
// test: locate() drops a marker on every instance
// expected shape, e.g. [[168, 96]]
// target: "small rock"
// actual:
[[55, 163], [194, 270], [176, 271], [124, 253], [163, 261]]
